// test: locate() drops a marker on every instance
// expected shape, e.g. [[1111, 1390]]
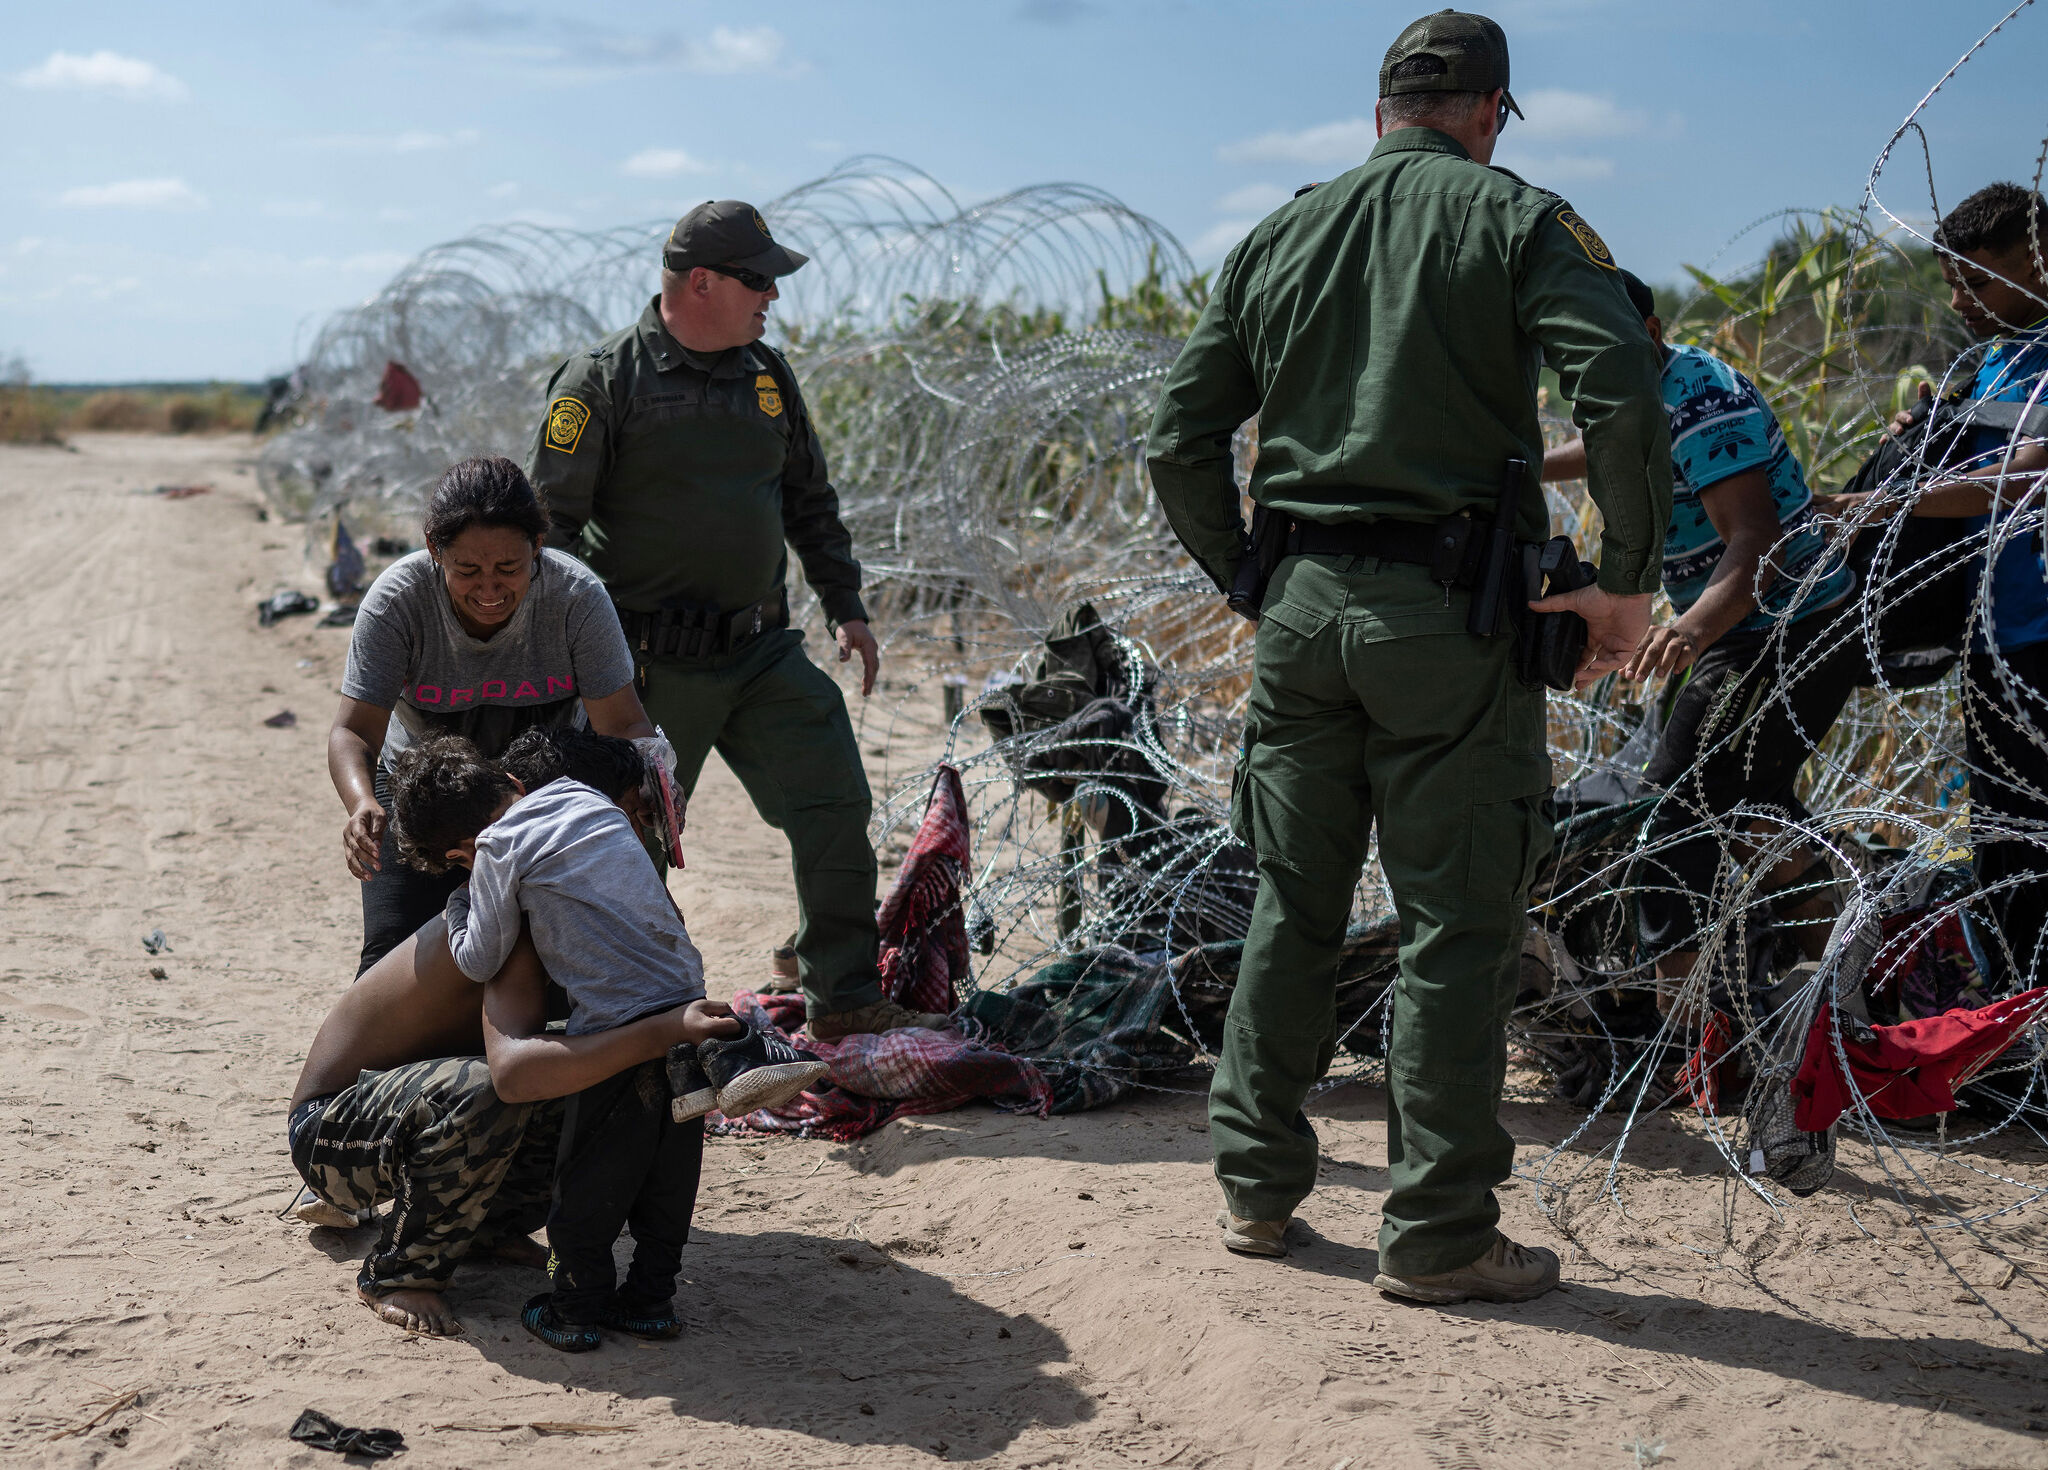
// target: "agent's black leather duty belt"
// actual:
[[1453, 548], [699, 630]]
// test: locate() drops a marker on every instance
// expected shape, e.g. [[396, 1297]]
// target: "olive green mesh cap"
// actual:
[[1470, 52]]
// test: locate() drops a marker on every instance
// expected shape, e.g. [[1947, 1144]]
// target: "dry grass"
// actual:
[[43, 415], [28, 416]]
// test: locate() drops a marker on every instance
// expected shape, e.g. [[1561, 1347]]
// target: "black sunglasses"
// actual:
[[752, 280], [1501, 124]]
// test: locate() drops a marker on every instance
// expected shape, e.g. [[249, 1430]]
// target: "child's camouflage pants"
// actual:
[[459, 1166]]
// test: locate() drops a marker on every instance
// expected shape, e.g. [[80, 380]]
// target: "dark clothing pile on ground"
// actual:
[[1081, 732]]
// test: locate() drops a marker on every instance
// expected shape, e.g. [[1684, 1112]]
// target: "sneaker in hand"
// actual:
[[757, 1070], [690, 1091]]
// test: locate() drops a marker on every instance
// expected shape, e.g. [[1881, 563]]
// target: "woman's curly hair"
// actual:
[[443, 792]]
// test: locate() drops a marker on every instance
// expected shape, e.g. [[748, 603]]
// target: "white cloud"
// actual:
[[1554, 114], [1549, 170], [730, 51], [407, 142], [662, 163], [91, 287], [1258, 199], [134, 194], [505, 190], [1333, 142], [1219, 237], [104, 71], [370, 262]]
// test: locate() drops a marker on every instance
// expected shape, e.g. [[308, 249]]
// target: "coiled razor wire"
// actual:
[[982, 376]]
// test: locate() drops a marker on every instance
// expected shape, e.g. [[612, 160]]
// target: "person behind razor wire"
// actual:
[[679, 457], [1387, 328], [484, 633], [1754, 582], [1994, 257], [564, 863]]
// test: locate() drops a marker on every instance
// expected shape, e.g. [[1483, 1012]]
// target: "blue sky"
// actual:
[[192, 186]]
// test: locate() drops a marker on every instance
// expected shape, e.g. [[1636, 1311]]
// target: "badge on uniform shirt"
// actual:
[[1588, 238], [768, 394], [566, 418]]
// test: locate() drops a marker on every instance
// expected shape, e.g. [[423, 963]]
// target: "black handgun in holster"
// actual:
[[1258, 554], [1500, 593], [1514, 574]]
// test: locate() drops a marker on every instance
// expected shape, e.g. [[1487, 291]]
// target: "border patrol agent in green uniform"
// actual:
[[1387, 329], [680, 452]]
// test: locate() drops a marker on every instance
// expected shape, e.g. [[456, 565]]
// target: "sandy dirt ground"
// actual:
[[971, 1287]]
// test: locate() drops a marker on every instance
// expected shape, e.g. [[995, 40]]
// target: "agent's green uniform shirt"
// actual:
[[1387, 328], [678, 477], [684, 474], [1422, 280]]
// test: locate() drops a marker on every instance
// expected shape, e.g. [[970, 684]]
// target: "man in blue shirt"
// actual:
[[1993, 247], [1754, 584]]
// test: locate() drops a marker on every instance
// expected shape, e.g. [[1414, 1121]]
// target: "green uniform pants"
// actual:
[[1371, 704], [780, 724]]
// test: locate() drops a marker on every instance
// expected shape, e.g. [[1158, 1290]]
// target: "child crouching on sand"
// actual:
[[564, 858]]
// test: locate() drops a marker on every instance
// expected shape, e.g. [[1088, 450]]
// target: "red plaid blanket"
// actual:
[[924, 956], [924, 934], [895, 1074]]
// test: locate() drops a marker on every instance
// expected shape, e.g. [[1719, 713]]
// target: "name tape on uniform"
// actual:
[[566, 418], [1588, 238]]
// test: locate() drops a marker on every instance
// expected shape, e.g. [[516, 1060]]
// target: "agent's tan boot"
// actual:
[[883, 1015], [782, 970], [1252, 1237], [1505, 1273]]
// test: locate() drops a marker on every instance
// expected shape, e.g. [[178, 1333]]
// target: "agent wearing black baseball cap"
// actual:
[[679, 461], [1387, 328]]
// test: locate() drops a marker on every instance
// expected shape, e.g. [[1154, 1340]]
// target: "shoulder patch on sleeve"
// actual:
[[1588, 238], [566, 418]]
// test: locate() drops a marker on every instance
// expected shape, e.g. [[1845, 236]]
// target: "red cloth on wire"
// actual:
[[1908, 1070], [924, 952], [399, 391], [1703, 1075]]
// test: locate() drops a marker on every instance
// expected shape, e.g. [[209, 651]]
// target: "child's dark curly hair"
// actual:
[[443, 793], [607, 764]]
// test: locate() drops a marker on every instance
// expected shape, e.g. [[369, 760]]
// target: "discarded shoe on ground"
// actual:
[[285, 604]]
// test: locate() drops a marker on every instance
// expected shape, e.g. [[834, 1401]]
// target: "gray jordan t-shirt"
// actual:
[[411, 656]]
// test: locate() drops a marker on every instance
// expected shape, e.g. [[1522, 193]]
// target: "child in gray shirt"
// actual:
[[565, 860]]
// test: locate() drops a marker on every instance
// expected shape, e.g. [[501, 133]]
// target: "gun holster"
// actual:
[[1550, 645], [1258, 554]]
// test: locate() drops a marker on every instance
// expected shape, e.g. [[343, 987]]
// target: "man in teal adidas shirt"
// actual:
[[1754, 583]]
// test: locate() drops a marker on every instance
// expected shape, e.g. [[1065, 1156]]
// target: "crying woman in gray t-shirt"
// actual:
[[484, 634]]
